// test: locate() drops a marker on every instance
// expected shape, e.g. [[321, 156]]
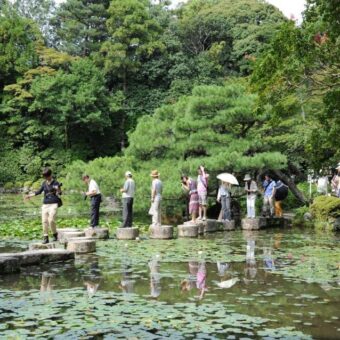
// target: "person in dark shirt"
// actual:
[[51, 189]]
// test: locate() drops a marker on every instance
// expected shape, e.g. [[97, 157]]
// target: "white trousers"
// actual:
[[155, 211], [251, 206]]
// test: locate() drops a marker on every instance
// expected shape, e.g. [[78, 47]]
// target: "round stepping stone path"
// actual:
[[164, 232], [81, 246], [201, 226], [61, 231], [70, 234], [228, 225], [127, 233], [188, 230], [97, 233], [38, 246], [211, 226]]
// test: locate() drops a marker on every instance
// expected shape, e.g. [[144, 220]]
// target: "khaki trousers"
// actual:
[[49, 214]]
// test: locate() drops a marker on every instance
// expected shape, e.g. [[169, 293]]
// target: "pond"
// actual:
[[268, 284]]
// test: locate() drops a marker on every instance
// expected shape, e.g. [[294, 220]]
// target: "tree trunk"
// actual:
[[122, 124], [293, 188]]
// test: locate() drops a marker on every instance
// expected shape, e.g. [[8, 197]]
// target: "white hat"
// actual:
[[128, 174], [338, 166], [247, 177]]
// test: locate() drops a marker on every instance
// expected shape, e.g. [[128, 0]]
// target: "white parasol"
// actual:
[[228, 178]]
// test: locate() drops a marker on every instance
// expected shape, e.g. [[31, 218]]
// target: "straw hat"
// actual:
[[247, 177], [154, 173], [128, 174]]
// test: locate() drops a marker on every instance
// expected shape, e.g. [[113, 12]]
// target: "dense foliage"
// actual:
[[155, 87], [76, 77]]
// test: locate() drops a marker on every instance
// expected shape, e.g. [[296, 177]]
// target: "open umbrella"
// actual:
[[228, 178]]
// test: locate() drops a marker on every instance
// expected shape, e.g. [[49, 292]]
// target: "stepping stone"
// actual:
[[83, 238], [253, 223], [188, 230], [127, 233], [164, 232], [98, 233], [38, 246], [66, 235], [35, 257], [201, 226], [61, 231], [81, 246], [228, 225], [212, 226], [9, 265]]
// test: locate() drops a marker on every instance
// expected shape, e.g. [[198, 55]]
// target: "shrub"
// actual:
[[326, 208]]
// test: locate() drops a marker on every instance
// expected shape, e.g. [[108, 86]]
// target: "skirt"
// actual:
[[193, 203]]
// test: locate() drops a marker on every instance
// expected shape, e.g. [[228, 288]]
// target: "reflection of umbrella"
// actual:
[[228, 178]]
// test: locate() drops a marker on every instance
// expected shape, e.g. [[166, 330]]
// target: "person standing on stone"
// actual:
[[224, 197], [51, 189], [190, 186], [156, 198], [251, 190], [336, 182], [94, 193], [128, 193], [268, 196], [202, 189]]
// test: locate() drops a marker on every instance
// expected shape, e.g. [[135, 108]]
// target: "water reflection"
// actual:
[[155, 277], [269, 263], [250, 270], [93, 277], [197, 278], [46, 287], [127, 282]]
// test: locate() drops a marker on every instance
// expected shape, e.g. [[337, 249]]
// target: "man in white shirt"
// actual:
[[128, 194], [94, 193]]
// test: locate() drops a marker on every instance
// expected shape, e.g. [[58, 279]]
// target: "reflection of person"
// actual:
[[46, 283], [128, 193], [268, 196], [223, 268], [156, 198], [126, 283], [251, 190], [51, 189], [268, 259], [91, 287], [223, 196], [202, 189], [250, 269], [94, 193], [190, 186], [155, 278], [336, 182], [197, 278], [191, 281]]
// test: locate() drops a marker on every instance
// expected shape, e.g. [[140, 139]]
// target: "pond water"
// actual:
[[268, 284]]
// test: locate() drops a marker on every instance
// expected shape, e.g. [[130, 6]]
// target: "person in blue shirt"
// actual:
[[268, 196]]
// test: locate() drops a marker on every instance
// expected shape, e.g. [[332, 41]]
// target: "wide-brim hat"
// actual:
[[247, 177], [154, 173]]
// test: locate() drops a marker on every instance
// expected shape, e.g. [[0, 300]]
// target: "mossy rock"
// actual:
[[326, 208]]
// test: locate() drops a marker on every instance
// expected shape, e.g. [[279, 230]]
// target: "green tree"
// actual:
[[237, 30], [80, 26], [18, 42]]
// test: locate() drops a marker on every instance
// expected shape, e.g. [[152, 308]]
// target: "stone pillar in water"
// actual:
[[188, 230], [164, 232], [127, 233], [99, 233]]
